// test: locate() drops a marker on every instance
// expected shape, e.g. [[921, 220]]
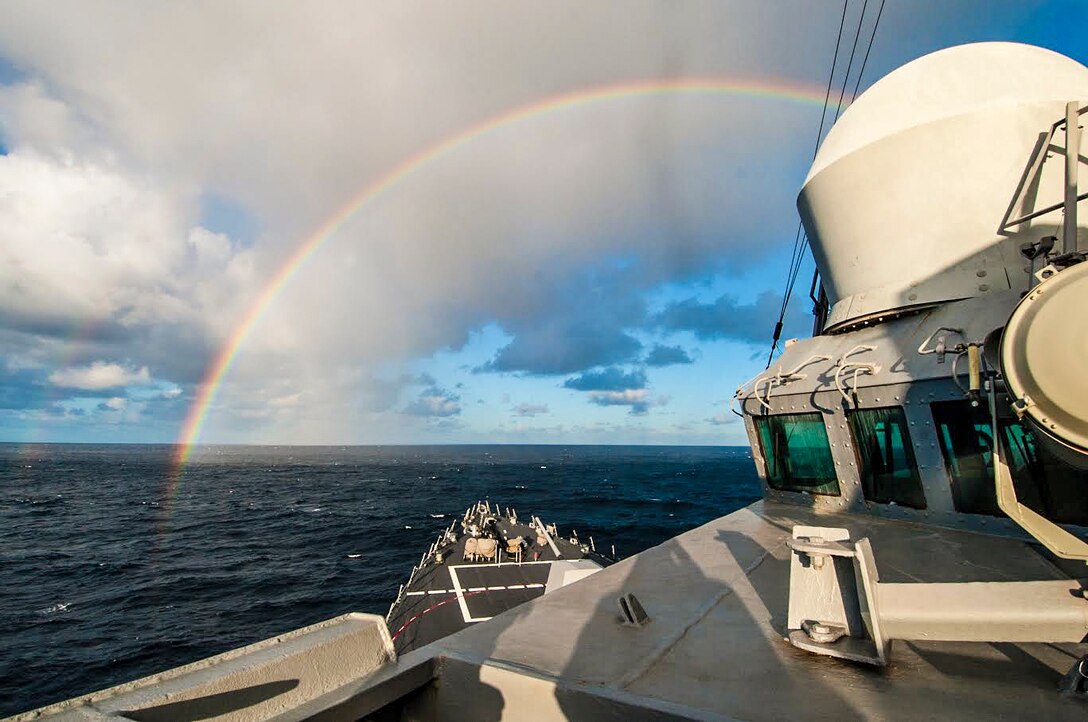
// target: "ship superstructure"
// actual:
[[919, 550]]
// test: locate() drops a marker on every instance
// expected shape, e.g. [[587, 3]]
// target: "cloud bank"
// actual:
[[149, 190]]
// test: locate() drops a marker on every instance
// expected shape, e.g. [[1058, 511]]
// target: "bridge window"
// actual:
[[797, 453], [1043, 483], [889, 473], [967, 443]]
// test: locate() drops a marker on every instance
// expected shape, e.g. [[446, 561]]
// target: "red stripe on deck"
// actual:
[[430, 609]]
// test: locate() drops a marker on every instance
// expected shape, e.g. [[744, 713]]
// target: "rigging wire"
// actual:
[[850, 63], [800, 244], [865, 60], [798, 247]]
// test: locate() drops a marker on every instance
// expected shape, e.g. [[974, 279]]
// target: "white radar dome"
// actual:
[[907, 198]]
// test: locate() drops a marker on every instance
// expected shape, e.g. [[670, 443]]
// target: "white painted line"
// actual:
[[478, 589], [534, 586], [514, 586], [437, 591], [415, 594], [460, 596], [492, 565]]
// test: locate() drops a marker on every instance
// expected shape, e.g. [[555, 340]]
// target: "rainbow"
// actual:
[[221, 365]]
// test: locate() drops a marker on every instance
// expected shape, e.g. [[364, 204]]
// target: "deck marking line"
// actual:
[[477, 589], [460, 595], [414, 594], [516, 586], [533, 586]]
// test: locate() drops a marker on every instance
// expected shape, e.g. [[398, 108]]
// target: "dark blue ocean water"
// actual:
[[103, 579]]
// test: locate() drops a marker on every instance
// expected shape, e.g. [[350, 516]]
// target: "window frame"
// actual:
[[867, 477], [826, 487]]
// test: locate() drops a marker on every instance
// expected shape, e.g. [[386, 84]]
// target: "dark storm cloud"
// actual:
[[725, 319], [667, 356], [564, 346], [609, 379]]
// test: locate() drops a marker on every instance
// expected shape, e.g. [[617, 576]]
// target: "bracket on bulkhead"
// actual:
[[839, 607]]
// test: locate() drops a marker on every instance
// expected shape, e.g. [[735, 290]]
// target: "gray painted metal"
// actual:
[[835, 585], [719, 598], [1072, 165], [266, 680]]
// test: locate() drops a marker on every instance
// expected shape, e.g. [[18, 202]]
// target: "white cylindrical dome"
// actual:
[[905, 202]]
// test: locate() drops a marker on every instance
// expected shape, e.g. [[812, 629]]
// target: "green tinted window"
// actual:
[[797, 453], [1042, 482], [967, 444], [887, 468]]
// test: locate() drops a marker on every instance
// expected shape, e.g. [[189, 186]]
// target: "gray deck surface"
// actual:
[[718, 598]]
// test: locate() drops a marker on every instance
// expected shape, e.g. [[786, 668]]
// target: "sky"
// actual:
[[491, 246]]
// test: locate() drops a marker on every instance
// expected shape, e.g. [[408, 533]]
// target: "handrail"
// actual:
[[1035, 165]]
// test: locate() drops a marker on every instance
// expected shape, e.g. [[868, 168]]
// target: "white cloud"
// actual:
[[530, 410], [100, 375], [435, 402]]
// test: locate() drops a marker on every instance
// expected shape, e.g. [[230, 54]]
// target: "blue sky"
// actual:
[[609, 273]]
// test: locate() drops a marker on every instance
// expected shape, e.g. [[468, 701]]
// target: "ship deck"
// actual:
[[453, 588], [717, 597]]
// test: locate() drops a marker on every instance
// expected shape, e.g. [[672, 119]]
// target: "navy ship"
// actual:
[[919, 551], [486, 563]]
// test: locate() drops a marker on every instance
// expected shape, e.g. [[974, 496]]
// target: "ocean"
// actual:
[[109, 570]]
